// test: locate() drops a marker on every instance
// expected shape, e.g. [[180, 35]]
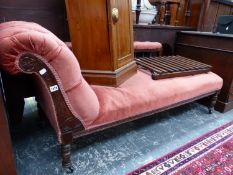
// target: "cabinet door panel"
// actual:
[[122, 32], [89, 33], [102, 44]]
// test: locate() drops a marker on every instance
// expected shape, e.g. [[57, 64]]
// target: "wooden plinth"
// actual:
[[223, 107], [110, 78]]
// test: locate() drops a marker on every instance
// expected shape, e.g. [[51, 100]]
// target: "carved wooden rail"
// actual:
[[171, 66]]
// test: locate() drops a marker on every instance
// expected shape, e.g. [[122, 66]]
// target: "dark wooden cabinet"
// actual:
[[50, 14], [213, 49], [102, 38]]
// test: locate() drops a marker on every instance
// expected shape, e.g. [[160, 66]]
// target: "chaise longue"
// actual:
[[75, 108]]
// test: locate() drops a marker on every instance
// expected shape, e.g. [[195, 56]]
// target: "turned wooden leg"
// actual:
[[66, 162], [138, 11], [167, 16], [213, 100], [157, 17]]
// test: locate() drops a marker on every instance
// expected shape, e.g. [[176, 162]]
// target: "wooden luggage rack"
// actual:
[[171, 66]]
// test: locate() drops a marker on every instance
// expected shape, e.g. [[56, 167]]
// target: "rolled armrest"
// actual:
[[49, 93], [29, 48]]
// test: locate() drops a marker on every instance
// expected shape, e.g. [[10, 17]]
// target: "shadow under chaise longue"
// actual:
[[73, 107]]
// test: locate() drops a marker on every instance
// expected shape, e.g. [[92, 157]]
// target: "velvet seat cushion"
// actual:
[[141, 94], [18, 37], [147, 45]]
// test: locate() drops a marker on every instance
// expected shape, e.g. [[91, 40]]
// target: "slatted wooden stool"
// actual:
[[150, 48], [171, 66]]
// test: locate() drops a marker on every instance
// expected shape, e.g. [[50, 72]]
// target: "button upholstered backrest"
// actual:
[[18, 37]]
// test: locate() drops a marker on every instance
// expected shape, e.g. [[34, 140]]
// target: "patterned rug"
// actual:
[[211, 153]]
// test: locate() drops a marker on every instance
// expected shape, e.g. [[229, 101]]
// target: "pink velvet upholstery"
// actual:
[[141, 94], [18, 37], [147, 45], [98, 105]]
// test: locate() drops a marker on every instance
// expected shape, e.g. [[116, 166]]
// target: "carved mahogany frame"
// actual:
[[32, 64], [70, 127]]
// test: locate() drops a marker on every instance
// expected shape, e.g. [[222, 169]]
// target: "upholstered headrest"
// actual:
[[18, 37]]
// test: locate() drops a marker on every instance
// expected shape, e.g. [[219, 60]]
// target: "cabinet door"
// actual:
[[121, 32], [88, 24]]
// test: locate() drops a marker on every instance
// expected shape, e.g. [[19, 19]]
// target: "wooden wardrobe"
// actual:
[[102, 39]]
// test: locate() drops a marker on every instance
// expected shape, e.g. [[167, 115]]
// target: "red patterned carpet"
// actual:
[[210, 154]]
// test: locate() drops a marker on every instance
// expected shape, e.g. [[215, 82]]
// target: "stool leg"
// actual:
[[213, 100], [160, 52]]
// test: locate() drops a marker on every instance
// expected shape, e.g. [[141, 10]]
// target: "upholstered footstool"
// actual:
[[152, 48]]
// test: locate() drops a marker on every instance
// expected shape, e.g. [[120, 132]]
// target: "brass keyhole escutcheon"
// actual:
[[115, 15]]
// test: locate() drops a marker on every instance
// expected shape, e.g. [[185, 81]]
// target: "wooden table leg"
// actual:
[[138, 11]]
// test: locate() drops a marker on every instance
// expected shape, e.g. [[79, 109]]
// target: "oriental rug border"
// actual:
[[188, 153]]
